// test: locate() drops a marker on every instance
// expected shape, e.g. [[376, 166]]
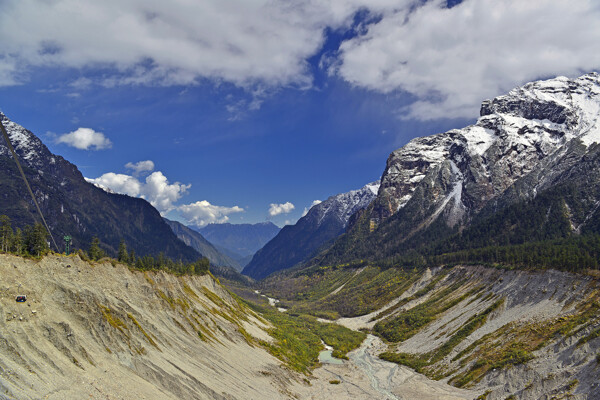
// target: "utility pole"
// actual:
[[67, 239]]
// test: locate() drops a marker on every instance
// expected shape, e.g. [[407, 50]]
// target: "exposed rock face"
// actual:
[[75, 207], [535, 137], [323, 222], [341, 207], [513, 135]]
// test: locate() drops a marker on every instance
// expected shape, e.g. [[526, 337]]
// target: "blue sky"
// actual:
[[248, 106]]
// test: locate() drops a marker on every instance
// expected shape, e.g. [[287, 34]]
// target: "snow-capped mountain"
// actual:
[[342, 206], [323, 222], [524, 142], [513, 135], [74, 207]]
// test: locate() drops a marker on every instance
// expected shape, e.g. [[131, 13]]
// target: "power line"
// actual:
[[26, 183]]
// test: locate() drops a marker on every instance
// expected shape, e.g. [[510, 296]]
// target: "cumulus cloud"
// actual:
[[277, 209], [202, 213], [161, 193], [314, 203], [451, 59], [118, 183], [156, 188], [140, 166], [176, 42], [85, 139]]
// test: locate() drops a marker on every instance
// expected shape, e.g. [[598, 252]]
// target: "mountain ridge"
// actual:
[[523, 143], [73, 206], [199, 243], [322, 223], [238, 241]]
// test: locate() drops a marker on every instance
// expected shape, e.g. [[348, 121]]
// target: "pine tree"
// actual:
[[202, 266], [161, 261], [132, 257], [17, 242], [6, 233], [94, 252], [36, 240], [123, 255]]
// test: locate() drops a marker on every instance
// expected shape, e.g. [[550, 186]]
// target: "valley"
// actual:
[[493, 331], [102, 331], [469, 271]]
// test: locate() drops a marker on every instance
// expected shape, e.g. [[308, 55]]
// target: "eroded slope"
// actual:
[[101, 331]]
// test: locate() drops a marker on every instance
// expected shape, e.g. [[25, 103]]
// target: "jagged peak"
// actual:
[[343, 205], [514, 132], [25, 143]]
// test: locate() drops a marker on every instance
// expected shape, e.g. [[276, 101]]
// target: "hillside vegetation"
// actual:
[[506, 331]]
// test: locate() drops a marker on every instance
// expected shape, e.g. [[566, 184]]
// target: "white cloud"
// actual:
[[140, 166], [156, 188], [84, 139], [175, 42], [451, 59], [161, 194], [276, 209], [314, 203], [119, 183], [81, 83], [202, 213]]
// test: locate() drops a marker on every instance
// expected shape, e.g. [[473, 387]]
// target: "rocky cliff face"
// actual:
[[534, 138], [323, 222], [75, 207], [465, 168]]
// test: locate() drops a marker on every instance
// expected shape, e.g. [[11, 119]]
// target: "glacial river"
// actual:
[[387, 381]]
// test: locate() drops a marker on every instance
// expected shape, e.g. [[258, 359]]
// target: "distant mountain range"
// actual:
[[239, 241], [198, 242], [75, 207], [323, 222]]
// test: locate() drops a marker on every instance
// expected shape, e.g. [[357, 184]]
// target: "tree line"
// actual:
[[574, 253], [532, 233], [32, 240]]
